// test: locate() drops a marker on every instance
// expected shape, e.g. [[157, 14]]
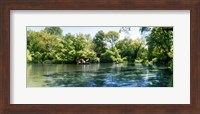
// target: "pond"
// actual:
[[98, 75]]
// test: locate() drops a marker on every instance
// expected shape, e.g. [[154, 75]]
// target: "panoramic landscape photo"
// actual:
[[99, 56]]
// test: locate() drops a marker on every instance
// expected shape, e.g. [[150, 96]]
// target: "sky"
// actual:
[[134, 33]]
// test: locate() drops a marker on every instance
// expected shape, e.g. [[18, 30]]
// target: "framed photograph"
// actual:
[[106, 56]]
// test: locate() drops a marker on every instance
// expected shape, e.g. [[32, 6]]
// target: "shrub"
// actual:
[[107, 57]]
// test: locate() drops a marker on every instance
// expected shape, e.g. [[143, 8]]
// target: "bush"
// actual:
[[29, 57], [119, 60], [107, 57], [37, 57], [154, 60], [110, 56], [95, 60], [138, 61]]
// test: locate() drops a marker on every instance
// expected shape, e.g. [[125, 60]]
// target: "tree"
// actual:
[[41, 45], [78, 43], [99, 43], [138, 45], [29, 56], [51, 46], [54, 30], [126, 30], [80, 48], [144, 29], [160, 44], [64, 50], [112, 37], [107, 57], [88, 37], [89, 54], [32, 41], [125, 47], [131, 49]]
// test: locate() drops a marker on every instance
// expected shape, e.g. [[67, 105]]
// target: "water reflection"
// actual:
[[98, 75]]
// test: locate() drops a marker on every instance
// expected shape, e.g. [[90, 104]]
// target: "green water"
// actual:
[[98, 75]]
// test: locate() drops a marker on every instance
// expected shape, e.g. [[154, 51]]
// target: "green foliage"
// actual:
[[38, 57], [160, 45], [99, 43], [144, 29], [41, 45], [132, 49], [90, 56], [112, 37], [54, 30], [111, 56], [33, 39], [50, 46], [126, 30], [107, 57], [170, 63], [29, 56]]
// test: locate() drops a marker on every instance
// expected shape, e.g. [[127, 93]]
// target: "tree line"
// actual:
[[51, 46]]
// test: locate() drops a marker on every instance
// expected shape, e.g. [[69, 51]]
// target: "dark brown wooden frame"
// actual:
[[7, 5]]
